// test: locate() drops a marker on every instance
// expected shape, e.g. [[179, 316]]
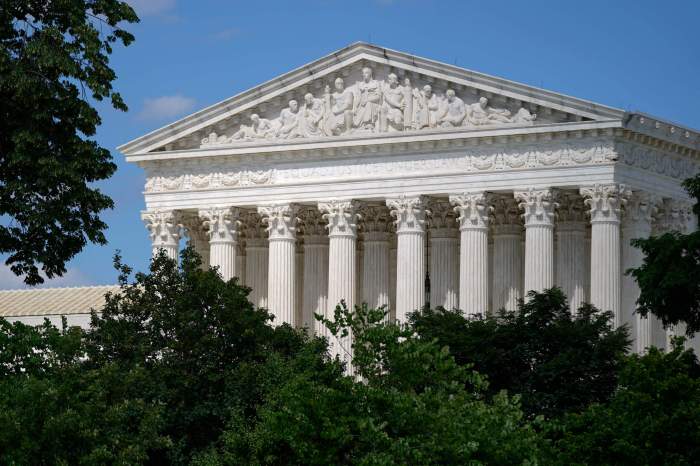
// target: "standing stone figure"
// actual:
[[311, 117], [408, 102], [339, 108], [428, 107], [368, 101], [289, 121], [391, 114], [454, 112]]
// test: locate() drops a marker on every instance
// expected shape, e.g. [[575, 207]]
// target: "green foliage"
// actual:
[[557, 362], [414, 406], [669, 277], [172, 358], [180, 368], [653, 418], [51, 54]]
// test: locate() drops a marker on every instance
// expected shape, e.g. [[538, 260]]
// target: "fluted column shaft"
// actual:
[[256, 264], [473, 217], [444, 268], [538, 206], [605, 202], [222, 226], [508, 265], [281, 286], [571, 258], [315, 295], [299, 282], [164, 231], [375, 273], [342, 262], [409, 213], [240, 264], [641, 328]]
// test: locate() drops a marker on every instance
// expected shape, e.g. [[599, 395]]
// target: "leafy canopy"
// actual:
[[652, 419], [52, 54], [556, 361], [669, 277]]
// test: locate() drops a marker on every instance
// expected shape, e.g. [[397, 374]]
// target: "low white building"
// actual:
[[372, 175]]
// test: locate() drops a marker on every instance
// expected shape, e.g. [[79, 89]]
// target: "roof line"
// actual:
[[377, 53]]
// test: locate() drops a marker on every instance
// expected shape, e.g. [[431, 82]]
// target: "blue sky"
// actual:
[[635, 55]]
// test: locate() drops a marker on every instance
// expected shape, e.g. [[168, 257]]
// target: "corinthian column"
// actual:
[[538, 206], [281, 220], [636, 223], [444, 256], [257, 258], [605, 203], [375, 261], [222, 226], [315, 291], [507, 254], [473, 217], [409, 213], [571, 249], [342, 234], [164, 231]]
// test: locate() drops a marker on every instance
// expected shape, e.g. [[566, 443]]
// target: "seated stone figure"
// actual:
[[480, 114], [311, 117], [454, 112], [289, 122]]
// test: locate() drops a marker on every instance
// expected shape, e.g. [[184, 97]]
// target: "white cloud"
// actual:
[[152, 7], [165, 107], [72, 277]]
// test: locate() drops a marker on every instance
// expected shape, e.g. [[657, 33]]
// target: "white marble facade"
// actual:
[[358, 175]]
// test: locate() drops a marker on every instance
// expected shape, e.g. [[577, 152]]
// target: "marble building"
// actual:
[[372, 175]]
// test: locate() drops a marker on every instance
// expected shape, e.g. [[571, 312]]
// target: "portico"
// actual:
[[412, 168]]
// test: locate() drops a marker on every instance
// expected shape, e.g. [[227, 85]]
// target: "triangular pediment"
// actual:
[[367, 91]]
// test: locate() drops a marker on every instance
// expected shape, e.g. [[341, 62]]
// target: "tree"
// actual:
[[415, 405], [172, 357], [669, 277], [652, 419], [557, 362], [51, 54]]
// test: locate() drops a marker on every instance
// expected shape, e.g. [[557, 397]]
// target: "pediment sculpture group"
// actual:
[[372, 106]]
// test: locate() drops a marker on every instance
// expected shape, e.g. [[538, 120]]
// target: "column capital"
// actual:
[[674, 215], [221, 223], [605, 201], [375, 218], [252, 226], [312, 221], [163, 227], [571, 208], [640, 210], [472, 209], [281, 221], [538, 206], [341, 216], [410, 213], [505, 214]]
